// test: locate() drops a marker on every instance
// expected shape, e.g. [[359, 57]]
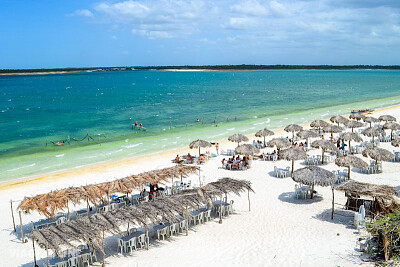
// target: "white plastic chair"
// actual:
[[207, 215], [61, 220], [359, 218], [121, 246], [73, 262], [182, 225], [84, 260], [163, 233], [172, 229], [141, 240], [131, 244]]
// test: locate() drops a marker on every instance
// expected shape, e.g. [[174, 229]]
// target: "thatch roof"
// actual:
[[350, 161], [357, 116], [371, 190], [377, 153], [293, 153], [49, 203], [199, 143], [354, 124], [338, 119], [279, 143], [237, 138], [293, 128], [264, 132], [370, 119], [387, 118], [307, 134], [391, 126], [314, 176], [247, 149], [319, 124], [396, 142], [331, 128], [324, 144], [88, 230], [351, 137], [372, 131]]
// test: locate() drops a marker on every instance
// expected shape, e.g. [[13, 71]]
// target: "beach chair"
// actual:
[[207, 215], [131, 244], [172, 229], [359, 218], [121, 246], [73, 262], [84, 260], [93, 257], [163, 233], [141, 240], [61, 220], [182, 225]]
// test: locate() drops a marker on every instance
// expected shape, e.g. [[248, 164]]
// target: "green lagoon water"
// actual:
[[37, 108]]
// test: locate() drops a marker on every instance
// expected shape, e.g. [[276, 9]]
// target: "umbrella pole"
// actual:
[[187, 221], [34, 252], [87, 206], [20, 226], [348, 173], [12, 215], [172, 190], [333, 202], [312, 192], [127, 231], [391, 135], [292, 166], [68, 211], [104, 254], [47, 252], [147, 237], [264, 142], [248, 197], [349, 147], [220, 211], [199, 152], [323, 152]]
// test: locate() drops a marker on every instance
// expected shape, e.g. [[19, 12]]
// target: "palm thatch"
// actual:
[[331, 128], [292, 128], [392, 126], [338, 119], [354, 124], [396, 142], [312, 176], [293, 153], [387, 118], [325, 145], [319, 124], [305, 134], [279, 143], [228, 185], [246, 149], [49, 203], [372, 132], [378, 154], [198, 144], [263, 133], [357, 116], [370, 120], [350, 161], [351, 137], [237, 138]]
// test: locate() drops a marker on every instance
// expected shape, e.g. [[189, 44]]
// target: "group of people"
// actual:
[[189, 159], [258, 144], [302, 145], [140, 125], [234, 163], [340, 144]]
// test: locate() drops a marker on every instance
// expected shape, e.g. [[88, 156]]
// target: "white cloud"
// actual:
[[250, 8], [83, 13]]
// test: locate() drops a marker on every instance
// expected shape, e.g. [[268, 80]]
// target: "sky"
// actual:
[[72, 33]]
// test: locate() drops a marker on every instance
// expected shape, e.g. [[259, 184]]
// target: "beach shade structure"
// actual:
[[293, 153], [198, 144], [370, 120], [325, 145], [354, 124], [263, 133], [292, 128], [306, 134], [279, 143], [349, 161], [351, 137], [338, 119], [392, 126], [332, 128], [237, 138], [378, 154], [387, 118], [246, 149], [372, 132], [318, 124], [357, 116], [312, 176], [396, 142]]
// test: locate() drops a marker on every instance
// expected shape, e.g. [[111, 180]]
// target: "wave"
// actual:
[[230, 129], [116, 151], [268, 120], [258, 123], [61, 155], [133, 145], [26, 166]]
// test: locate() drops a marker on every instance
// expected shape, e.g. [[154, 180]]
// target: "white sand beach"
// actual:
[[280, 230]]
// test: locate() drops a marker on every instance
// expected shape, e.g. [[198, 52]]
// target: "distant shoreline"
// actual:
[[43, 73]]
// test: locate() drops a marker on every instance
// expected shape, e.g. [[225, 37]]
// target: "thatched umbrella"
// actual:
[[319, 124], [246, 149], [392, 126], [378, 154], [350, 137], [305, 134], [237, 138], [199, 143], [293, 128], [396, 142], [350, 161], [293, 153], [312, 176], [331, 128], [263, 133], [279, 143], [372, 132], [357, 116], [370, 120], [325, 145], [338, 119], [387, 118], [354, 124]]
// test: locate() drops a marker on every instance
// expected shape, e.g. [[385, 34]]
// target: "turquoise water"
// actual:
[[34, 109]]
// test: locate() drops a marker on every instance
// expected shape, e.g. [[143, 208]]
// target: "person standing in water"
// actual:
[[217, 147]]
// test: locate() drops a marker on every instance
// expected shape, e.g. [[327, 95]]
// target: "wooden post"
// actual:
[[292, 167], [220, 211], [68, 211], [323, 152], [87, 133], [312, 191], [128, 229], [12, 215], [20, 225], [34, 252], [104, 253], [333, 202], [348, 173], [172, 187], [87, 207], [349, 147], [46, 142], [47, 252], [248, 197], [147, 236]]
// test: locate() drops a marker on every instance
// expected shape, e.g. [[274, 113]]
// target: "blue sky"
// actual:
[[70, 33]]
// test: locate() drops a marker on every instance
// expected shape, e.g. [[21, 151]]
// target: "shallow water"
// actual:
[[34, 109]]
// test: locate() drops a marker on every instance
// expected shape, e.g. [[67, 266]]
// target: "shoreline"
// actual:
[[43, 73], [102, 167]]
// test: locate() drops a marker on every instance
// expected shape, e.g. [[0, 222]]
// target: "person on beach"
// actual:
[[202, 159], [217, 147], [189, 158], [322, 137], [140, 125], [338, 143], [136, 123], [342, 145], [332, 138]]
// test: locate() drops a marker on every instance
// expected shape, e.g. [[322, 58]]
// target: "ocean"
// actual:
[[93, 112]]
